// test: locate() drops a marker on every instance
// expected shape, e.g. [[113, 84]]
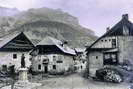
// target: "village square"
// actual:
[[52, 64]]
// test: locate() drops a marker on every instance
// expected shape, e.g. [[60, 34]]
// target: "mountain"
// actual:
[[42, 22]]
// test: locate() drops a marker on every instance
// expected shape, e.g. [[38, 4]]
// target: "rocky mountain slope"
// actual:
[[39, 23]]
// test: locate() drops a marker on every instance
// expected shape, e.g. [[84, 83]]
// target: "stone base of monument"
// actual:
[[23, 82], [23, 85]]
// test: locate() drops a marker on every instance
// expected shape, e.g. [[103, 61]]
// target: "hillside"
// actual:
[[38, 23]]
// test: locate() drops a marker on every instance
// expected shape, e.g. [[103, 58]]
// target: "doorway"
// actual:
[[45, 68]]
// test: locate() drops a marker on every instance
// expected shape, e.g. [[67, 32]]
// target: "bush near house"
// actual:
[[109, 75]]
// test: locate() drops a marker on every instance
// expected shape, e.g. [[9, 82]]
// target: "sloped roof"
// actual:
[[117, 30], [112, 50], [80, 50], [52, 41], [49, 41], [6, 39]]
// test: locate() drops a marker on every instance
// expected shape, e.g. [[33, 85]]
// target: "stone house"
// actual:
[[113, 48], [12, 47], [80, 62], [52, 55]]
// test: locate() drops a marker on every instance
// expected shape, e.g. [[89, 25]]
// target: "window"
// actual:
[[96, 57], [39, 67], [59, 61], [110, 59], [54, 67], [102, 40], [4, 67], [14, 56], [54, 58], [105, 40], [114, 43]]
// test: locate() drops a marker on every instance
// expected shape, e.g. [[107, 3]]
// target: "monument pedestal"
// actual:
[[23, 76], [23, 82]]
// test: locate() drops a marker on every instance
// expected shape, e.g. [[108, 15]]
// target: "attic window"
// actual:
[[114, 43], [14, 56]]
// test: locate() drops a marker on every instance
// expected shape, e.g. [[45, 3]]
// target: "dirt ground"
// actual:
[[76, 81]]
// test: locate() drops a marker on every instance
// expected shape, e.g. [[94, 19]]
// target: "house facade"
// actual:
[[80, 62], [52, 56], [11, 49], [113, 48]]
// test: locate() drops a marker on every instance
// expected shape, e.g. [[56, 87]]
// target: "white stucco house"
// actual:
[[12, 47], [52, 55]]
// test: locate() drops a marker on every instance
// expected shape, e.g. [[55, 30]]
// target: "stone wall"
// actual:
[[95, 60], [125, 48]]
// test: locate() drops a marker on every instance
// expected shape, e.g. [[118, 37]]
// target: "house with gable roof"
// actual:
[[113, 48], [52, 55], [12, 47]]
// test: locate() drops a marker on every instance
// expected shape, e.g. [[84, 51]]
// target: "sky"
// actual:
[[93, 14]]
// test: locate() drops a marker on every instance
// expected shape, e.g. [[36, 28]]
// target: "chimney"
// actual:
[[107, 29], [125, 16], [65, 44]]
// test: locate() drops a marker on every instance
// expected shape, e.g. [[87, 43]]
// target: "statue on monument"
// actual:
[[23, 61]]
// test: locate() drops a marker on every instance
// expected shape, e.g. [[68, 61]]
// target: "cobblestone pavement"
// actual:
[[75, 81]]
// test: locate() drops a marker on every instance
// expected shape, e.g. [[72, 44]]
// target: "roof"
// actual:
[[112, 50], [123, 27], [10, 37], [49, 41], [99, 49], [4, 40], [80, 50], [52, 41]]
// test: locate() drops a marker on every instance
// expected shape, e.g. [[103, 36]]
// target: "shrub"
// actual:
[[109, 75]]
